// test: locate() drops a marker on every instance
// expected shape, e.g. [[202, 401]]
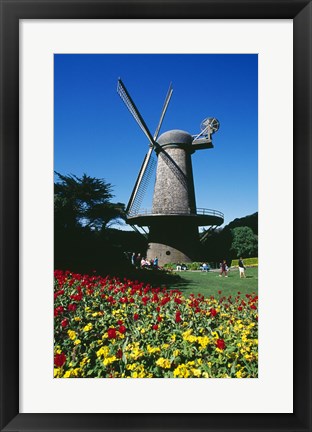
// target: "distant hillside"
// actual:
[[218, 244], [250, 221]]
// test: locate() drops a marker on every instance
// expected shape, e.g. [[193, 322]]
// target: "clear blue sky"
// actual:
[[94, 133]]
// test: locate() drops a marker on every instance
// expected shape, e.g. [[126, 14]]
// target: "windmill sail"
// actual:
[[123, 93], [163, 112], [141, 184]]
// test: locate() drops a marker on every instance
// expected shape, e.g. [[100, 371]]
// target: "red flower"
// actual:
[[164, 301], [64, 323], [219, 292], [119, 353], [239, 308], [178, 317], [145, 299], [119, 322], [123, 300], [135, 317], [58, 310], [72, 307], [253, 307], [76, 297], [122, 329], [58, 293], [213, 312], [111, 333], [220, 344], [159, 318], [155, 327], [59, 359]]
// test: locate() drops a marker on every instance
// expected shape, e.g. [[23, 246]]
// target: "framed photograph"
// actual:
[[54, 54]]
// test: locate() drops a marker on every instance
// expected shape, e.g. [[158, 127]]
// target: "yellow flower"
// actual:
[[72, 373], [152, 350], [203, 341], [249, 357], [238, 374], [163, 363], [102, 352], [196, 372], [109, 360], [56, 372], [71, 334], [131, 366], [84, 361], [88, 327], [77, 342], [181, 371]]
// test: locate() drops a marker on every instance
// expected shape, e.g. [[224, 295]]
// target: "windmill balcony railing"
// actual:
[[197, 211]]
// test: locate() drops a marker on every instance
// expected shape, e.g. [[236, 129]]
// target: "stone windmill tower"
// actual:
[[171, 226]]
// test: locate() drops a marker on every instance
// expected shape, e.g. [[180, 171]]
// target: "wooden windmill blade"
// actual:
[[141, 184], [163, 112], [125, 96]]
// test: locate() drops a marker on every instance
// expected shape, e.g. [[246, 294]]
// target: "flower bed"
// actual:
[[111, 328]]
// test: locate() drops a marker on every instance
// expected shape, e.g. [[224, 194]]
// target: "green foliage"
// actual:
[[244, 242], [248, 262], [82, 214], [84, 202], [170, 266], [218, 244], [194, 265]]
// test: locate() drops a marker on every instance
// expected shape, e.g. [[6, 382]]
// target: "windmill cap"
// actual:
[[175, 137]]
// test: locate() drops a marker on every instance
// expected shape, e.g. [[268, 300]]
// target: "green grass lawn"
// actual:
[[195, 282]]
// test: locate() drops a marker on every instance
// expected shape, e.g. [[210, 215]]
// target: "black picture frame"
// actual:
[[11, 12]]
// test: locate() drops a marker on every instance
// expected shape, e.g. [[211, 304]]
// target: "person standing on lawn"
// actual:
[[241, 267], [223, 269]]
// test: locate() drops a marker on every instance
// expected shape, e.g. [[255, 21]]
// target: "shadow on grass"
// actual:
[[156, 278]]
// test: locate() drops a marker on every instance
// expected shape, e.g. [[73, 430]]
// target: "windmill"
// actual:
[[171, 226]]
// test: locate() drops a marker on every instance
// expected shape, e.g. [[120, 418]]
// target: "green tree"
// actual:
[[84, 202], [244, 242]]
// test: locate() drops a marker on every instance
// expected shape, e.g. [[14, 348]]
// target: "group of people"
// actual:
[[224, 269], [204, 267], [141, 262], [181, 266]]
